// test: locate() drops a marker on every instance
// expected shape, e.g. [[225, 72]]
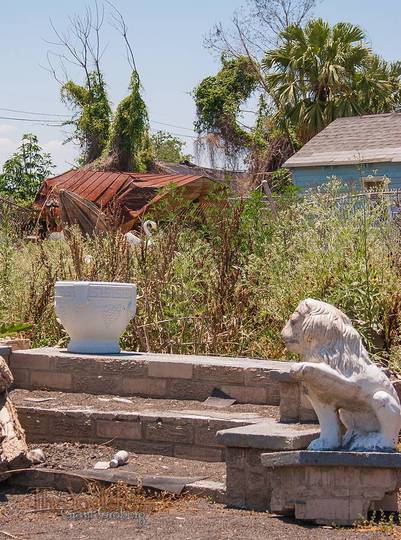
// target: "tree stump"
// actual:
[[13, 447]]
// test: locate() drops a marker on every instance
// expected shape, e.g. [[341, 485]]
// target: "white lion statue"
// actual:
[[356, 404]]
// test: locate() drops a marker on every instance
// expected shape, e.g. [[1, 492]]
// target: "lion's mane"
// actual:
[[333, 339]]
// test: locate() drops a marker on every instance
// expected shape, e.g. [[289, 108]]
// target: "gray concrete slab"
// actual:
[[51, 352], [269, 435], [310, 458]]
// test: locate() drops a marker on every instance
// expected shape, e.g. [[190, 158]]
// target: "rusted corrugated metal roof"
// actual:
[[133, 191]]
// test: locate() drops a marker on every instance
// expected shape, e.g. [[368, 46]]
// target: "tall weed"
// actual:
[[224, 278]]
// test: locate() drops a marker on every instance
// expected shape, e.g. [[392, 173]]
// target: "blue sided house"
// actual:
[[363, 151]]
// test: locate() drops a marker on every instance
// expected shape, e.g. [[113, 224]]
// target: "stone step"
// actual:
[[247, 480], [146, 374], [163, 427]]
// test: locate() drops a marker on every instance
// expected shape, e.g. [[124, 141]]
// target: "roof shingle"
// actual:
[[353, 140]]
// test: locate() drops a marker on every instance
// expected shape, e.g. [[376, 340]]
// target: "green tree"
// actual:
[[129, 147], [92, 115], [25, 170], [218, 100], [166, 147], [319, 73]]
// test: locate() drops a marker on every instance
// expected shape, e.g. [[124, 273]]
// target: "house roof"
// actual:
[[134, 191], [101, 186], [186, 167], [236, 179], [353, 140]]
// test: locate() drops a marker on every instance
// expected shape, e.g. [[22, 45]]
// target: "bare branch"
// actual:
[[121, 26], [261, 22], [81, 45]]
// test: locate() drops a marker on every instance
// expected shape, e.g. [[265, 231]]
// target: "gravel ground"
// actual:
[[194, 519], [77, 456], [50, 400]]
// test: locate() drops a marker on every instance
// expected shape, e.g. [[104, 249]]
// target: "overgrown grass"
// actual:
[[224, 280]]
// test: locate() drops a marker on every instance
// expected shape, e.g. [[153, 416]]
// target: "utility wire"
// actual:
[[170, 125], [55, 123], [69, 116], [33, 120], [34, 113]]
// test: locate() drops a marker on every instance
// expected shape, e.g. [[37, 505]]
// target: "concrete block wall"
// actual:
[[189, 436], [247, 481], [148, 375]]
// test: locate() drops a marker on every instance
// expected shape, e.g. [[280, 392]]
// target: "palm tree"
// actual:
[[319, 73]]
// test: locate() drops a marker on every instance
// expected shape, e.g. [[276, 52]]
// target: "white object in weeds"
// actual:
[[120, 458]]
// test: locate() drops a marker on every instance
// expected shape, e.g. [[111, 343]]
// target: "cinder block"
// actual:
[[236, 486], [145, 447], [206, 435], [219, 374], [96, 384], [51, 380], [134, 368], [168, 431], [247, 394], [23, 360], [70, 364], [32, 422], [114, 429], [258, 377], [22, 378], [170, 370], [236, 457], [65, 426], [143, 387], [289, 402], [189, 389], [198, 453]]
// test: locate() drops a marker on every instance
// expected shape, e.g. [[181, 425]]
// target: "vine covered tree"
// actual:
[[25, 170], [129, 147], [81, 47], [118, 141], [218, 100], [92, 116]]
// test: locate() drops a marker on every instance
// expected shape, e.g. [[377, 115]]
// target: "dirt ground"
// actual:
[[50, 400], [194, 519], [26, 514], [76, 456]]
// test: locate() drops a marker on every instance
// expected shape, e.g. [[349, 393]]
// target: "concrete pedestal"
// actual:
[[248, 482], [332, 487]]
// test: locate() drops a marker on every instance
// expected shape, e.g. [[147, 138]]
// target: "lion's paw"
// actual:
[[323, 444], [297, 370]]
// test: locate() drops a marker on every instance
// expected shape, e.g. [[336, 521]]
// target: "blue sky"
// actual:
[[168, 41]]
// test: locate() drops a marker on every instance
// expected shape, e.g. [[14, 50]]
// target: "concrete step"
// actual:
[[147, 374], [165, 427], [247, 480], [69, 467]]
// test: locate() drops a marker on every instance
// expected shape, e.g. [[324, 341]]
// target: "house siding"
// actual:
[[307, 177]]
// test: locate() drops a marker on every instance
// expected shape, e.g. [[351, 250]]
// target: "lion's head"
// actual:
[[320, 332]]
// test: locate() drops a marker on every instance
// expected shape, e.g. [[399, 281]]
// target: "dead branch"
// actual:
[[121, 26], [261, 22]]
